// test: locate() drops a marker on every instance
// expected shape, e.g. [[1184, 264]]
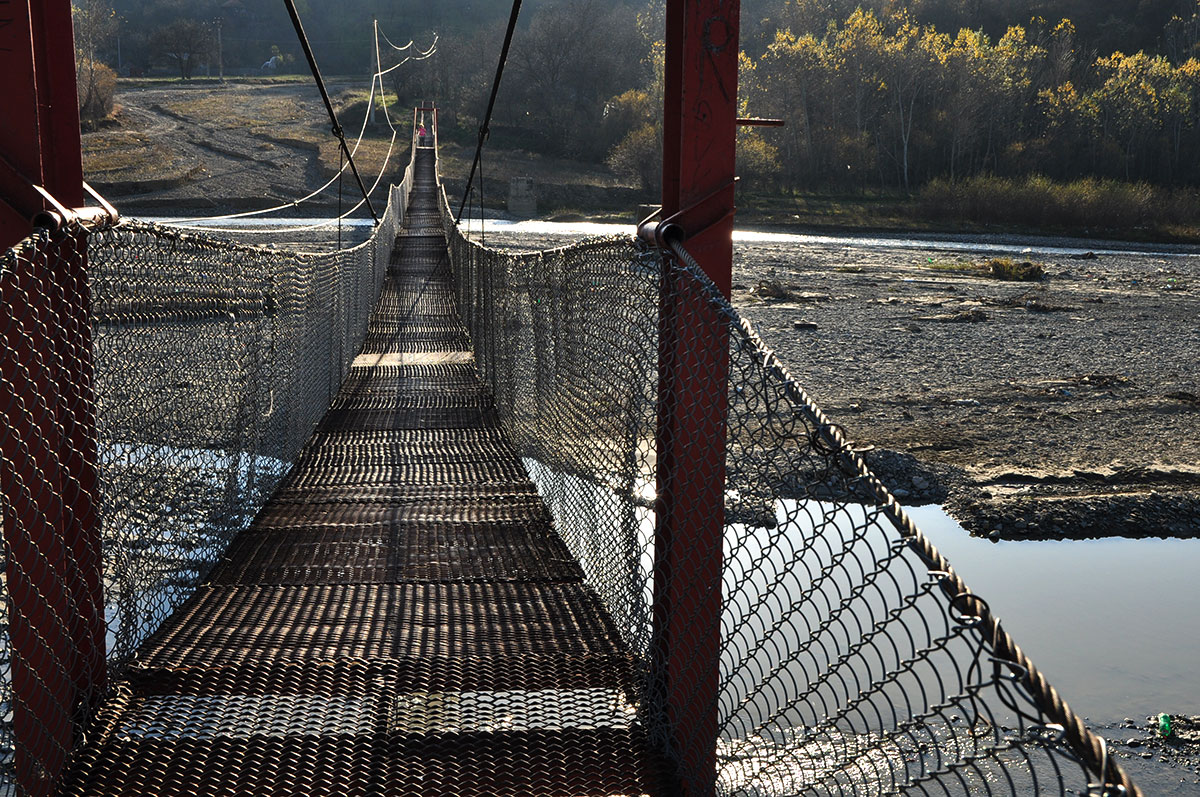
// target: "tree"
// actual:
[[575, 55], [965, 101], [1140, 96], [793, 76], [912, 63], [95, 25], [1011, 97], [184, 43], [856, 51], [1181, 36]]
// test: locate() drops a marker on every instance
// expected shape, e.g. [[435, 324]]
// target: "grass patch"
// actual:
[[953, 266], [108, 161], [368, 158], [353, 103], [773, 289], [1087, 208], [110, 152], [867, 210], [164, 82], [240, 110], [1009, 270], [999, 268]]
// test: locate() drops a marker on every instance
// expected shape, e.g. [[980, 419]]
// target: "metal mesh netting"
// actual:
[[400, 618], [213, 362], [405, 615], [852, 659], [48, 478]]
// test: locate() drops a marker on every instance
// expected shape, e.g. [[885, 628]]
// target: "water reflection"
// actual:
[[1111, 622], [842, 664]]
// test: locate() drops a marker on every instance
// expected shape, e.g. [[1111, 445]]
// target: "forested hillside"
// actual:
[[877, 94], [899, 96]]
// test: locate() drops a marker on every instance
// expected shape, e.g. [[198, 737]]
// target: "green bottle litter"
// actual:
[[1164, 725]]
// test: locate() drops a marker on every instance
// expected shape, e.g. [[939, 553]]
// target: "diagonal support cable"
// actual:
[[484, 132], [337, 128]]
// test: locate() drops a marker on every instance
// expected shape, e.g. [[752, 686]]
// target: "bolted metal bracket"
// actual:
[[60, 216], [709, 211]]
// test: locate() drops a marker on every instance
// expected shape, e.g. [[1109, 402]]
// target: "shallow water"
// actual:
[[254, 221], [1112, 622], [1090, 614], [575, 230], [1023, 245]]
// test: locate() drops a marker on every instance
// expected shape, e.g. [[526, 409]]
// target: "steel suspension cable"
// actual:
[[337, 128], [484, 131], [376, 78]]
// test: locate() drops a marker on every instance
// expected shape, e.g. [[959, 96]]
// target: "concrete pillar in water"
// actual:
[[522, 197]]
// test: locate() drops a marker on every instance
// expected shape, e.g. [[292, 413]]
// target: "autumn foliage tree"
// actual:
[[886, 98]]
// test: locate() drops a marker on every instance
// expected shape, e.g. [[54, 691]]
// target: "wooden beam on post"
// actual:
[[699, 127]]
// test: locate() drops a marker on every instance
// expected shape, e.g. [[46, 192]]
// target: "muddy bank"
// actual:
[[1162, 765], [1063, 407]]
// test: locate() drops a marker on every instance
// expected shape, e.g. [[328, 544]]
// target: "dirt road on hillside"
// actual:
[[207, 148]]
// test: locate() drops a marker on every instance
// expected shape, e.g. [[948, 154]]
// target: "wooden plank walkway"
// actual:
[[401, 618]]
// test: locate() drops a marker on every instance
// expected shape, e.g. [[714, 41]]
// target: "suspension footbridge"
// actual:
[[402, 598], [421, 517]]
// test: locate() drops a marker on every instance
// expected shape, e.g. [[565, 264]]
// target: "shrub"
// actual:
[[1007, 269], [639, 156], [96, 86], [1038, 201], [756, 159]]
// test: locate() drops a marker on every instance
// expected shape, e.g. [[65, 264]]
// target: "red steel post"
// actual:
[[39, 140], [49, 476], [698, 178]]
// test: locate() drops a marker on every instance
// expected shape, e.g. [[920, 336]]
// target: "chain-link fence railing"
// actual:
[[851, 658], [213, 362]]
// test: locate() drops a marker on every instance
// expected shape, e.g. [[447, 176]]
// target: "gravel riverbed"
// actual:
[[1067, 407]]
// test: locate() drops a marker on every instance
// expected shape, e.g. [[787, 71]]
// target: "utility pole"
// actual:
[[220, 55], [378, 70]]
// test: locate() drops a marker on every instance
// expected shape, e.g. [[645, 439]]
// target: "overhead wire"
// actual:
[[410, 44], [421, 57], [376, 80], [389, 41], [484, 129]]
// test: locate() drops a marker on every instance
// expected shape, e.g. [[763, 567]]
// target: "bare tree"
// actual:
[[95, 25], [184, 43]]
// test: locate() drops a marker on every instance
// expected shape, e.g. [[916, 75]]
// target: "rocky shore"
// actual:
[[1066, 407]]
